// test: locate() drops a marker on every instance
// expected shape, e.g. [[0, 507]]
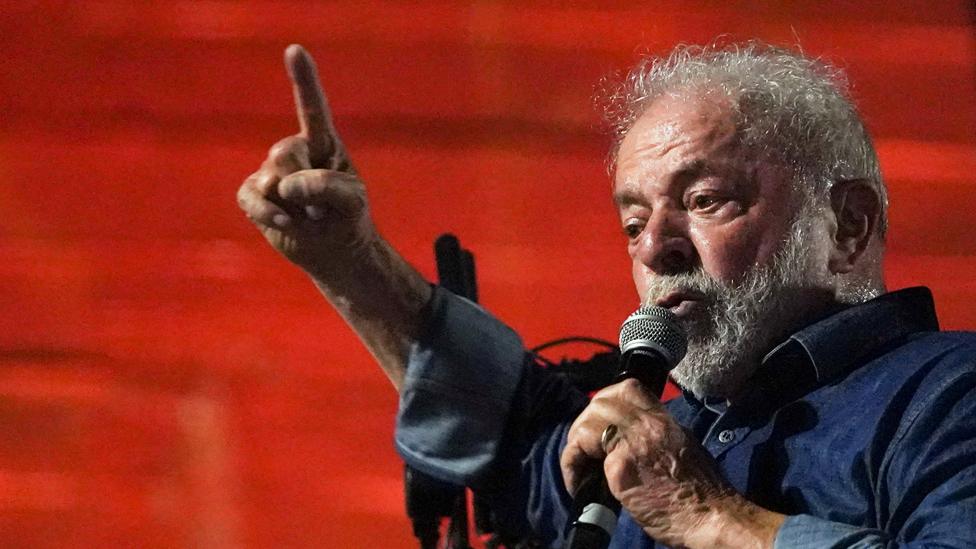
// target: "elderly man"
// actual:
[[817, 410]]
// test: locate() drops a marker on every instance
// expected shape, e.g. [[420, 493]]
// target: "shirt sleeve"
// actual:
[[926, 487], [461, 376], [476, 410], [927, 495], [809, 532], [472, 393]]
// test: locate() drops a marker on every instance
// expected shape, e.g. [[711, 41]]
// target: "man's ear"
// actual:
[[857, 209]]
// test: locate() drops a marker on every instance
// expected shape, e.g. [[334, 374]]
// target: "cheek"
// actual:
[[729, 251]]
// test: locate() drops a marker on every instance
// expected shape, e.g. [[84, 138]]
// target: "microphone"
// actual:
[[651, 343]]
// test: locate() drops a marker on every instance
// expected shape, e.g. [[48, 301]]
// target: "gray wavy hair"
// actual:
[[788, 105]]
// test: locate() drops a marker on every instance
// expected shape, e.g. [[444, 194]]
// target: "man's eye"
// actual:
[[633, 230], [703, 202]]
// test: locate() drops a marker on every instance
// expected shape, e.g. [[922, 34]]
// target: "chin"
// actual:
[[715, 370], [709, 386]]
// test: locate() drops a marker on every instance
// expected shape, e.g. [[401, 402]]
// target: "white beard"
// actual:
[[741, 320]]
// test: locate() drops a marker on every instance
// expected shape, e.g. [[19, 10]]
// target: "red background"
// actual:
[[166, 380]]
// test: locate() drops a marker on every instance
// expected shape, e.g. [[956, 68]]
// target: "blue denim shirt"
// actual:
[[861, 427]]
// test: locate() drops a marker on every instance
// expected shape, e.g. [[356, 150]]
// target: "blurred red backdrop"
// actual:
[[168, 381]]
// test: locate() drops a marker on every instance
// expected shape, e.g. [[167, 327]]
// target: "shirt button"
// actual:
[[726, 436]]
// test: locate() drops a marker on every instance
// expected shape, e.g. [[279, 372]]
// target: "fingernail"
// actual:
[[280, 220], [314, 213]]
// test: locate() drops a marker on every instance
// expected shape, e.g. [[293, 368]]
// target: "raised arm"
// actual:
[[310, 205]]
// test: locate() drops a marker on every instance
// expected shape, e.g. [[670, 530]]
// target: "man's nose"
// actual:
[[665, 247]]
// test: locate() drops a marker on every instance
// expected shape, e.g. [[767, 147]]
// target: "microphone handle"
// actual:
[[594, 505], [647, 366], [597, 511]]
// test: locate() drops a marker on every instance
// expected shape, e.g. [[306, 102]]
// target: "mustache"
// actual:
[[695, 282]]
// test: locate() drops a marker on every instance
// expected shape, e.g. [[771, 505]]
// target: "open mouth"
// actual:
[[681, 303]]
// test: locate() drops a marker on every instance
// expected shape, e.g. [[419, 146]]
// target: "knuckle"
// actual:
[[296, 186], [254, 211], [631, 389], [589, 432], [315, 182], [675, 436], [606, 392], [630, 384], [245, 196], [282, 148], [614, 466], [289, 151], [260, 181], [568, 457], [352, 187], [574, 429], [649, 427]]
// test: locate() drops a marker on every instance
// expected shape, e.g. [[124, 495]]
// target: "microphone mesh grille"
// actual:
[[656, 327]]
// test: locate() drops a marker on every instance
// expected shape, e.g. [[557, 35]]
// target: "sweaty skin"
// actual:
[[690, 196]]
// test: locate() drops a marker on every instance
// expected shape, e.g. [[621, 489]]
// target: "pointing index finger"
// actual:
[[313, 110]]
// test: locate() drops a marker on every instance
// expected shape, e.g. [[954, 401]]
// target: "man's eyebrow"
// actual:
[[627, 197], [691, 170], [684, 174]]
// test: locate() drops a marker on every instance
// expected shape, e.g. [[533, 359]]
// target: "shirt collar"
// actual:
[[842, 341], [839, 344]]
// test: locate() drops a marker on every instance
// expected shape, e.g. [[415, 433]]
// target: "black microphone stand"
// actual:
[[430, 500]]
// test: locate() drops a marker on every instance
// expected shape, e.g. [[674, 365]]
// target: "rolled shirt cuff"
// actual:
[[809, 532], [461, 378]]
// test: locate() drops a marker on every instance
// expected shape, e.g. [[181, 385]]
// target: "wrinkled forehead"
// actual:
[[681, 135], [675, 125]]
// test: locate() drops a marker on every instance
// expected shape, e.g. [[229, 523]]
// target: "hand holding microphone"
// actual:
[[652, 466]]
